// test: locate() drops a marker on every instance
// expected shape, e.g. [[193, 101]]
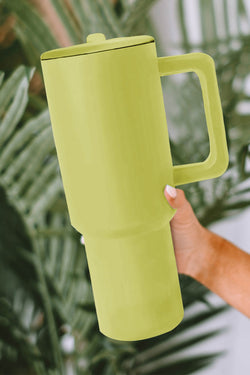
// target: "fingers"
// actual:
[[175, 197]]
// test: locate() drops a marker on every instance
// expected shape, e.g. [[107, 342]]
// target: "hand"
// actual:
[[190, 238], [188, 235]]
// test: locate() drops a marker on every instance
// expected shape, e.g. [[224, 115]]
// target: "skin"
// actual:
[[210, 259]]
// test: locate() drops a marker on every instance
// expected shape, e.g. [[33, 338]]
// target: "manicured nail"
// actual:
[[171, 191], [82, 240]]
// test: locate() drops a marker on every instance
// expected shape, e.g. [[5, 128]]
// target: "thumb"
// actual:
[[175, 197]]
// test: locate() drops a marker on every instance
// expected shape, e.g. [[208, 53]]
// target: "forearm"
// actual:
[[224, 269]]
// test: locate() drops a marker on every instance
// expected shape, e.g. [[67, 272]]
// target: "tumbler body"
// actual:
[[109, 126]]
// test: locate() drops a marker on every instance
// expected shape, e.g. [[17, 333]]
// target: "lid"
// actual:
[[96, 43]]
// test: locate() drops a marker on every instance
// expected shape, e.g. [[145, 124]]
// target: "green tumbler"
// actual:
[[109, 126]]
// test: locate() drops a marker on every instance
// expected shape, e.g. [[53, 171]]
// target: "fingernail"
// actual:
[[82, 240], [171, 191]]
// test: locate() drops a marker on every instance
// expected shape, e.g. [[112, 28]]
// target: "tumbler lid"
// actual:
[[97, 42]]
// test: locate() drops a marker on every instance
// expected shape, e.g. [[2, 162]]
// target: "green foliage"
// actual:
[[226, 195], [78, 18], [35, 229], [46, 295]]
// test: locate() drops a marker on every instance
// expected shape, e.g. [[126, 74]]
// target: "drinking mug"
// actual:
[[109, 126]]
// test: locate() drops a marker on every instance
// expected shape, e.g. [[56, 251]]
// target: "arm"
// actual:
[[225, 269], [210, 259]]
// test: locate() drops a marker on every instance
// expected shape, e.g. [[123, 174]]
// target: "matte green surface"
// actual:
[[111, 136]]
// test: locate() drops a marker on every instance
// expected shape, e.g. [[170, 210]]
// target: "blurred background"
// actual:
[[48, 322]]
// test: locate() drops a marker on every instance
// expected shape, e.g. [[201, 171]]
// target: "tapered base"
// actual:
[[150, 333], [135, 284]]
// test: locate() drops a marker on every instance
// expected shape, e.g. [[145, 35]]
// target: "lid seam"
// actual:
[[90, 53]]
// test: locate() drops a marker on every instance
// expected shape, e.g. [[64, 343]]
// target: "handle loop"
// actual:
[[217, 161]]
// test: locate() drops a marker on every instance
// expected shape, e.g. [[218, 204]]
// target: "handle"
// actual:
[[217, 161]]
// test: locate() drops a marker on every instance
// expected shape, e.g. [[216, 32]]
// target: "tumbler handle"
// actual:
[[217, 161]]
